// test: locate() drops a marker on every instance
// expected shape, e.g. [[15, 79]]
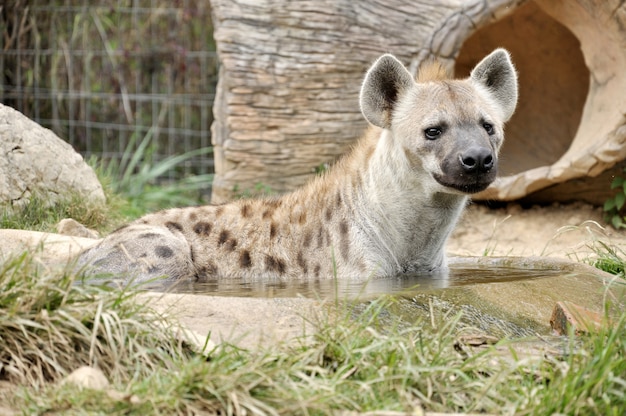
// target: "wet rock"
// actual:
[[246, 322], [48, 248], [519, 307], [581, 320]]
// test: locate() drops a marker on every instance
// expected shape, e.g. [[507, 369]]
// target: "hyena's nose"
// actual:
[[477, 160]]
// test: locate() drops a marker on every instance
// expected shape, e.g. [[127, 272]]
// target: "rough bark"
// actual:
[[287, 98]]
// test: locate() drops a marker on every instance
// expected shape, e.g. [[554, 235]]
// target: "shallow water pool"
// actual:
[[462, 271]]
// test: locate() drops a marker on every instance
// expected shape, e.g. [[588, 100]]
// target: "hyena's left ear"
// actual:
[[385, 81], [497, 73]]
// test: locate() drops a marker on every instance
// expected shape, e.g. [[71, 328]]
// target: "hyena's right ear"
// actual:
[[385, 81], [497, 73]]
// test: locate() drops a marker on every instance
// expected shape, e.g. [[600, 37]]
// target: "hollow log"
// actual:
[[287, 97]]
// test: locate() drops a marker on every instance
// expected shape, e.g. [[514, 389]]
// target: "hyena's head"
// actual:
[[449, 130]]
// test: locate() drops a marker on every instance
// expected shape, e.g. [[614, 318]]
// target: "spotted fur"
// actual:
[[387, 207]]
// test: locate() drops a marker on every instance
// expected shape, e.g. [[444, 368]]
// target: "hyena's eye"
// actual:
[[488, 128], [432, 133]]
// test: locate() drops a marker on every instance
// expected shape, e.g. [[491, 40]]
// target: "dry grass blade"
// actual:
[[50, 324]]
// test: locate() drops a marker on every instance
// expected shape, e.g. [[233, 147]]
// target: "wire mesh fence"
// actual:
[[104, 74]]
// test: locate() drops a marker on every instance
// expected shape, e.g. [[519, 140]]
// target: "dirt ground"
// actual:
[[565, 231]]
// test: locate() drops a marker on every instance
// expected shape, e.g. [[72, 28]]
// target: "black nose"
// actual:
[[477, 160]]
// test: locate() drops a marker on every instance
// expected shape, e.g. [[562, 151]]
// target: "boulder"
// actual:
[[35, 160]]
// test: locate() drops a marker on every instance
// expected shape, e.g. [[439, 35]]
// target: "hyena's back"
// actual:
[[277, 238]]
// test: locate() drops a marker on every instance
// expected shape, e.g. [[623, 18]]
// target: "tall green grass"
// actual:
[[359, 359], [50, 325], [39, 214], [136, 178]]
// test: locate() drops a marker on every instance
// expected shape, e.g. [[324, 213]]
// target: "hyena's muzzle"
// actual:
[[470, 164]]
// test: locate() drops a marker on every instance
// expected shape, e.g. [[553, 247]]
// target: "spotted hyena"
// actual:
[[386, 208]]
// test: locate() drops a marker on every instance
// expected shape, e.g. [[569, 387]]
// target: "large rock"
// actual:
[[35, 160]]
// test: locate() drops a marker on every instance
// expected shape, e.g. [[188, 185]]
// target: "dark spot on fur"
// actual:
[[224, 235], [154, 269], [171, 225], [149, 235], [245, 261], [320, 237], [275, 202], [273, 230], [206, 271], [343, 228], [193, 216], [306, 241], [245, 210], [273, 264], [316, 270], [202, 228], [344, 246], [270, 208], [302, 262], [231, 244], [338, 200], [268, 213], [302, 218], [192, 255], [219, 211], [329, 214], [163, 252]]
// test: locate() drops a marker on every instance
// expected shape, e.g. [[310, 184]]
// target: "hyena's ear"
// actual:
[[385, 81], [497, 73]]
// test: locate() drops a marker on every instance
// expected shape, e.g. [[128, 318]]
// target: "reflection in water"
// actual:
[[459, 274]]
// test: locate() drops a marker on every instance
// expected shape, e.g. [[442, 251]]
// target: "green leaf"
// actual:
[[609, 205], [617, 222], [617, 182], [620, 199]]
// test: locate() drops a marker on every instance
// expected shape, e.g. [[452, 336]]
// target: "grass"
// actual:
[[135, 178], [608, 257], [39, 215], [357, 359], [50, 324]]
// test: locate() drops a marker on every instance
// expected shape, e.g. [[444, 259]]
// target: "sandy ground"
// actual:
[[565, 231]]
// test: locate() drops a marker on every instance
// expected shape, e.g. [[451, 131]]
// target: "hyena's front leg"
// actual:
[[141, 252]]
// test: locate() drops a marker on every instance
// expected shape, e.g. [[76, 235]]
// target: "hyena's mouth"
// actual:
[[467, 185]]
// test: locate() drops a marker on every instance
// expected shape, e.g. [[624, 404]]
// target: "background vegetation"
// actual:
[[102, 74]]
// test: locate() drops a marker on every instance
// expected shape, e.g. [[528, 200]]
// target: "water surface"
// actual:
[[463, 271]]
